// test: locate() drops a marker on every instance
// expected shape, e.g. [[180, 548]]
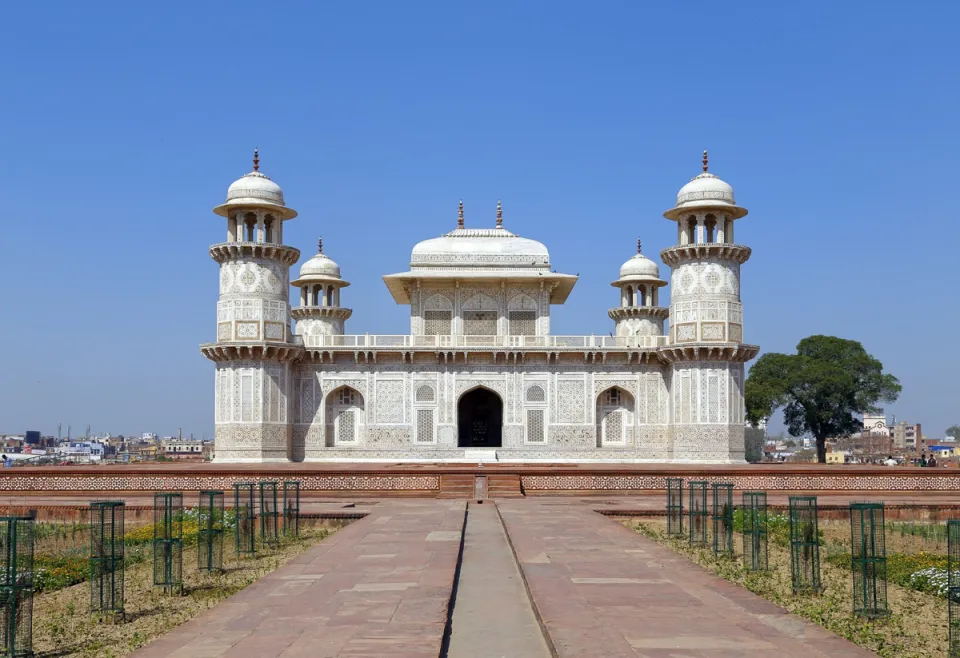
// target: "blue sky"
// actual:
[[123, 125]]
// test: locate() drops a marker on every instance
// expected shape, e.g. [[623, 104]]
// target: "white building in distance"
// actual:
[[479, 375]]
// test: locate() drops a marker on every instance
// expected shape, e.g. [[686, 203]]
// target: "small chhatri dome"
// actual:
[[639, 266], [320, 265], [705, 191], [255, 189]]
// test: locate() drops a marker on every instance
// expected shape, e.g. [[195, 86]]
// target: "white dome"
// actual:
[[254, 188], [320, 265], [487, 248], [639, 266], [705, 190]]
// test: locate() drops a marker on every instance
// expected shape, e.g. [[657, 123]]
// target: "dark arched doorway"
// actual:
[[480, 419]]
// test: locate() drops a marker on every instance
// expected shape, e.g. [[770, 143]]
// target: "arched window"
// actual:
[[330, 296], [425, 393], [614, 417], [268, 224], [250, 227], [536, 394], [710, 226]]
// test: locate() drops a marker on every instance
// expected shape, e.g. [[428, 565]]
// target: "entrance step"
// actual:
[[504, 486], [480, 455], [456, 486]]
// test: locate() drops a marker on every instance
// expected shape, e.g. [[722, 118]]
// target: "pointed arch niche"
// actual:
[[345, 414], [615, 417]]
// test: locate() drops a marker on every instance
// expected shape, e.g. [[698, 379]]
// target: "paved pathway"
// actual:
[[492, 615], [381, 587], [378, 588], [603, 590]]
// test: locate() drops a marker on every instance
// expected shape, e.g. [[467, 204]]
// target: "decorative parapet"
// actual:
[[226, 251], [676, 255], [305, 312], [623, 312]]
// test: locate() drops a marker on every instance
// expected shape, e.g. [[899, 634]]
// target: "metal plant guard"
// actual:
[[674, 506], [697, 523], [243, 507], [868, 555], [722, 518], [210, 525], [291, 508], [168, 542], [17, 534], [269, 515], [107, 557], [804, 545], [754, 512]]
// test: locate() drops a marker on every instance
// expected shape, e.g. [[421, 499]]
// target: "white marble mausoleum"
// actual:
[[479, 375]]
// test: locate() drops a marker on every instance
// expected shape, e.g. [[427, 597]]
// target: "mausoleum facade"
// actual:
[[479, 375]]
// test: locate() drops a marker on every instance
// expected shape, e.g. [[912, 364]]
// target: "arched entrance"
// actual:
[[480, 419]]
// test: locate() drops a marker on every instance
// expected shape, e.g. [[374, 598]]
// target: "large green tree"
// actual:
[[821, 389], [954, 431]]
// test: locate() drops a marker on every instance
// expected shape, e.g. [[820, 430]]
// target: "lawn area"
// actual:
[[916, 627], [62, 625]]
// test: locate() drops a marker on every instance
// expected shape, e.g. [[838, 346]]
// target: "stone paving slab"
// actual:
[[379, 587], [603, 590]]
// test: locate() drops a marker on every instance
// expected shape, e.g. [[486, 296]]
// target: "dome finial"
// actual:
[[705, 167], [256, 159], [460, 215], [320, 245], [499, 214], [639, 243]]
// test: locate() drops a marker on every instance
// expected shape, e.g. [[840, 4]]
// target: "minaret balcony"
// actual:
[[253, 350], [683, 253], [308, 312], [226, 251], [624, 312]]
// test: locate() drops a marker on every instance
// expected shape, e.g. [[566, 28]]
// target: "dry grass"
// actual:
[[63, 626], [916, 627]]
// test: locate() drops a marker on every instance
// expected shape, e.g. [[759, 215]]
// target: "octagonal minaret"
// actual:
[[706, 349], [319, 312], [639, 313], [254, 348]]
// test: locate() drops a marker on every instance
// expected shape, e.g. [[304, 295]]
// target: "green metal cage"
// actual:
[[697, 511], [243, 506], [107, 557], [168, 542], [210, 525], [291, 508], [17, 535], [804, 545], [754, 512], [953, 593], [674, 506], [722, 518], [269, 514], [868, 555]]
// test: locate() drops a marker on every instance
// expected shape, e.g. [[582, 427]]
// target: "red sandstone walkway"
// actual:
[[379, 587], [602, 590]]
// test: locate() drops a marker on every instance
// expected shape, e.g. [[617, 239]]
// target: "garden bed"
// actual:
[[62, 625], [915, 628]]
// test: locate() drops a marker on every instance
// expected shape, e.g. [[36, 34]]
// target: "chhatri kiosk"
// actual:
[[479, 375]]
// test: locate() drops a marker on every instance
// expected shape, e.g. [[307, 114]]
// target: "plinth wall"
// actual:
[[425, 480]]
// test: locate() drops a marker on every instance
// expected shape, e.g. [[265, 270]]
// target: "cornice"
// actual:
[[226, 251]]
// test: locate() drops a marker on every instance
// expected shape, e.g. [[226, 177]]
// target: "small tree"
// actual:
[[821, 388], [954, 431]]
